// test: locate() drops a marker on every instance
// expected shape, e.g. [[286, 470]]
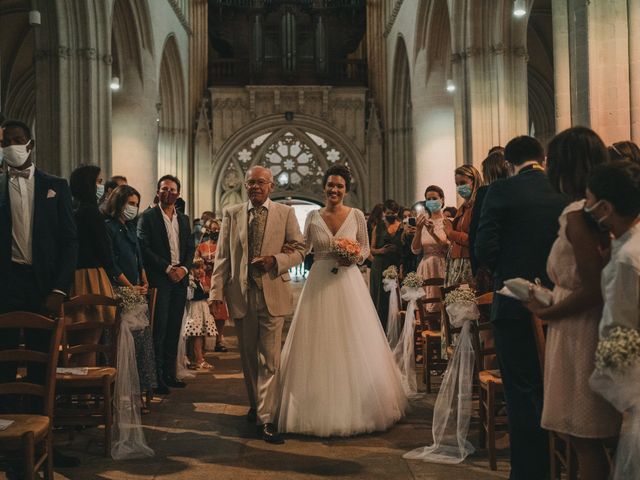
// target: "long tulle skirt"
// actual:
[[338, 376]]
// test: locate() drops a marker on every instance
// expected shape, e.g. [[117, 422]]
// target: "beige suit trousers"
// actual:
[[260, 342]]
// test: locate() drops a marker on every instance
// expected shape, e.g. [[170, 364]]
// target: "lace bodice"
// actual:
[[318, 236]]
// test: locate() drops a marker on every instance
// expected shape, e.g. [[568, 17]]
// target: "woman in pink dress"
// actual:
[[431, 241]]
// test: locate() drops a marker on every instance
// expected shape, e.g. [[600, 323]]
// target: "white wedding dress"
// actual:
[[338, 376]]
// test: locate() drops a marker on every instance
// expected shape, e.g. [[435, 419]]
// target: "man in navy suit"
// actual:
[[518, 225], [38, 246], [167, 247]]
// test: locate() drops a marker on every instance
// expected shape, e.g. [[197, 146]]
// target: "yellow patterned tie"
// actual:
[[256, 234]]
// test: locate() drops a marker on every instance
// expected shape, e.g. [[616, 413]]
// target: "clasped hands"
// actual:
[[176, 274]]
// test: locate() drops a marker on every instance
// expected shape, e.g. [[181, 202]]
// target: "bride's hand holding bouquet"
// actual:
[[347, 251]]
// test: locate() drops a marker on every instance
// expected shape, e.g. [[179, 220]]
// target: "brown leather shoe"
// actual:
[[269, 434]]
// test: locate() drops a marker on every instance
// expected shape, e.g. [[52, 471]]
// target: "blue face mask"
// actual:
[[464, 191], [99, 191], [433, 205]]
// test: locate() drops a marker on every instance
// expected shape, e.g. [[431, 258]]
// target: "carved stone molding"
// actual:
[[392, 19], [64, 52], [181, 16]]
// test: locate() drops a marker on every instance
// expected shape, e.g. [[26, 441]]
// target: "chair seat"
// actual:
[[93, 377], [10, 437], [490, 376], [431, 333]]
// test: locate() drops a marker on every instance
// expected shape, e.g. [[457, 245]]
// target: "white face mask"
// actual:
[[99, 190], [16, 155], [130, 212]]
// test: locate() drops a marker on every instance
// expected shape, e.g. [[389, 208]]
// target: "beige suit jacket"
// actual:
[[230, 278]]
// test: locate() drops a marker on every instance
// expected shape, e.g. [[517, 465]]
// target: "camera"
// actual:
[[411, 221]]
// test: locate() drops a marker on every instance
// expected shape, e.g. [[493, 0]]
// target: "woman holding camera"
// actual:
[[431, 241]]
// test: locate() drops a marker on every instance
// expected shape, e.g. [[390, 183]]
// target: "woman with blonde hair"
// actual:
[[458, 271]]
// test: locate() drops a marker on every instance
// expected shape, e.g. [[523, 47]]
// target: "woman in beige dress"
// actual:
[[575, 266]]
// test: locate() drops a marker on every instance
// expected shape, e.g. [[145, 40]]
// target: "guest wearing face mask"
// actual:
[[386, 248], [207, 252], [94, 250], [167, 249], [128, 271], [458, 270], [431, 241], [38, 247]]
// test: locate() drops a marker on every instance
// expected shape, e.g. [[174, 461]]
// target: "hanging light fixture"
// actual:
[[115, 84], [519, 8], [451, 87]]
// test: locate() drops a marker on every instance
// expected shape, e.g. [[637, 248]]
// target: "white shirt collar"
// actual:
[[266, 204]]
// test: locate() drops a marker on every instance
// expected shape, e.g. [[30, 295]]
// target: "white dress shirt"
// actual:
[[173, 233], [21, 193]]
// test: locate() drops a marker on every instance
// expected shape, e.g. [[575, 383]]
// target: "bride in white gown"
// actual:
[[338, 376]]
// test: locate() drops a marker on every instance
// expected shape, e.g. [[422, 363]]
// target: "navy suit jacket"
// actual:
[[154, 244], [518, 225], [54, 238]]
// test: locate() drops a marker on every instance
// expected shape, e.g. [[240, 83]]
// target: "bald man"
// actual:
[[251, 273]]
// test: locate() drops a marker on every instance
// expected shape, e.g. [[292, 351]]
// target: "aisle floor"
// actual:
[[201, 432]]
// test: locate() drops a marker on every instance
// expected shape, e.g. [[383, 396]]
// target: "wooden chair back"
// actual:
[[537, 325], [482, 337], [86, 327], [24, 357], [152, 296], [430, 319], [449, 330]]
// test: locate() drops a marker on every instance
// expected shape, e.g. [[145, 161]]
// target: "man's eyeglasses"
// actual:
[[259, 183]]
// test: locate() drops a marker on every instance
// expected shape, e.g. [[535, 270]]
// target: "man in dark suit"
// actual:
[[38, 243], [518, 225], [167, 250], [38, 248]]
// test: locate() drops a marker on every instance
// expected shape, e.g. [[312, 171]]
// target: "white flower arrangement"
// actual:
[[619, 350], [129, 298], [391, 272], [460, 294], [413, 280]]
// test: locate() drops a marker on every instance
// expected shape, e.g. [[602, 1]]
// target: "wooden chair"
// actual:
[[563, 457], [431, 335], [152, 296], [490, 388], [31, 434], [86, 400]]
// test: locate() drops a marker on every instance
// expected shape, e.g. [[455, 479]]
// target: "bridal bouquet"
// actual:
[[460, 294], [129, 298], [346, 249], [390, 273]]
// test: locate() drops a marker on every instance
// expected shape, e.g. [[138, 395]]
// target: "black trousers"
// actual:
[[522, 380], [19, 292], [170, 305]]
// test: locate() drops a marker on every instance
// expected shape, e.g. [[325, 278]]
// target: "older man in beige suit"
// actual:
[[250, 272]]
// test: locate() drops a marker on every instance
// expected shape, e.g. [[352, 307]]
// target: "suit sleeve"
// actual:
[[191, 245], [487, 241], [295, 240], [221, 266], [473, 229], [152, 261], [67, 241]]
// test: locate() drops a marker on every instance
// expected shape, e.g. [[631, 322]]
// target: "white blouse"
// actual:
[[621, 284]]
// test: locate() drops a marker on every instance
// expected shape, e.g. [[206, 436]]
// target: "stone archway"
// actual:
[[433, 113], [399, 168], [297, 154], [134, 126], [172, 131]]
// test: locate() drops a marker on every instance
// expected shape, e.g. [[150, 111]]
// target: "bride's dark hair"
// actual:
[[339, 171]]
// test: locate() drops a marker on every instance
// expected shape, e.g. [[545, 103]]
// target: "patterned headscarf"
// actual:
[[471, 172]]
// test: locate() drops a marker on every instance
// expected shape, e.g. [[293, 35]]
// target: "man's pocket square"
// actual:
[[51, 193]]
